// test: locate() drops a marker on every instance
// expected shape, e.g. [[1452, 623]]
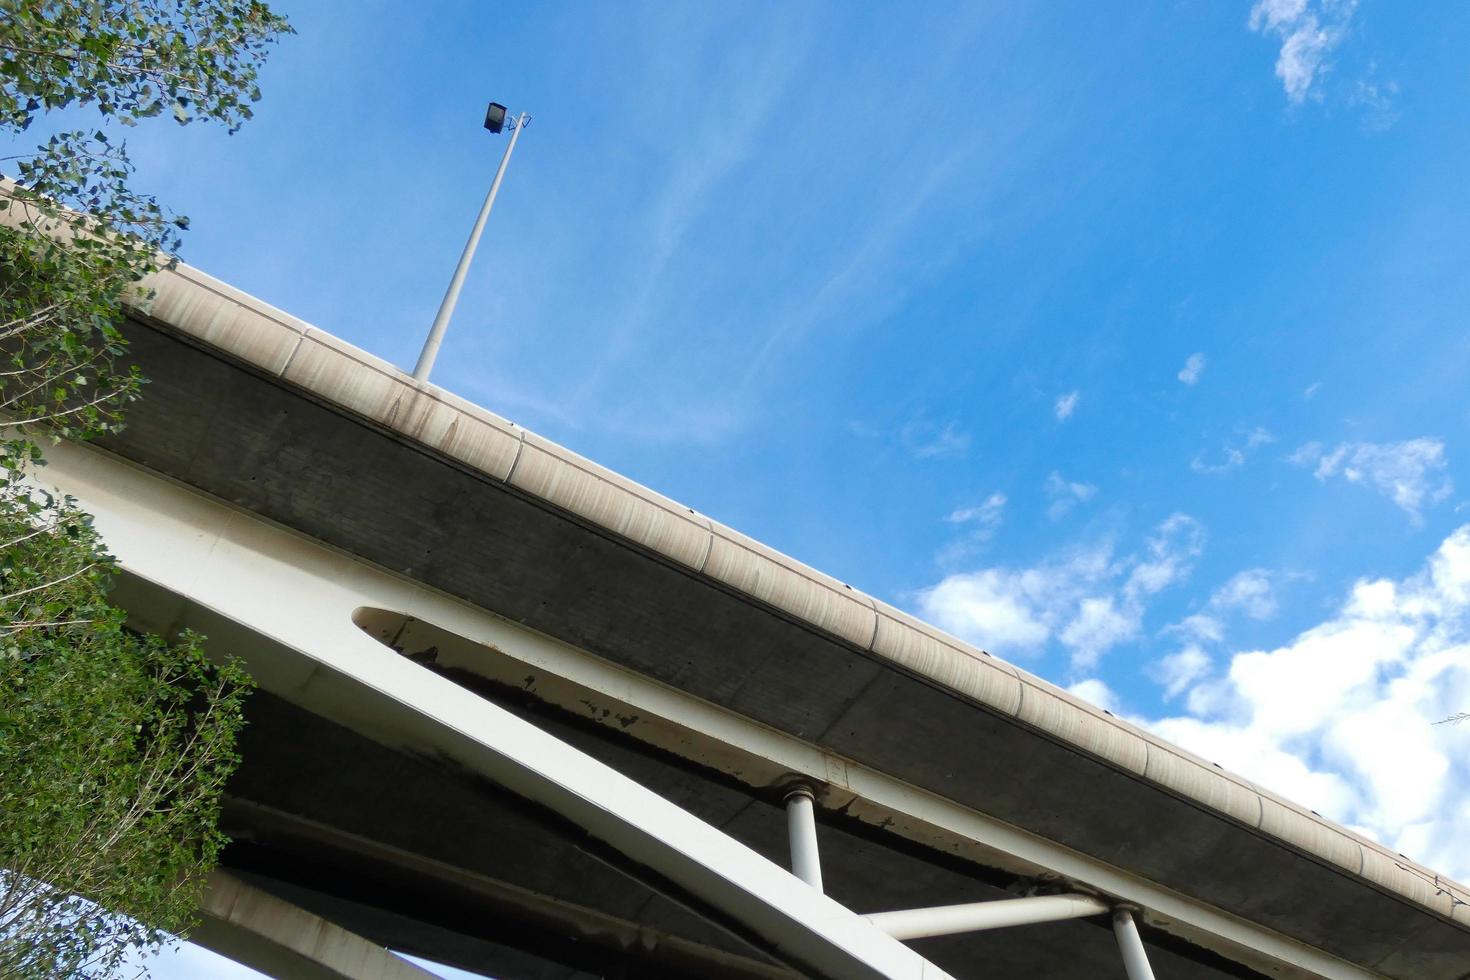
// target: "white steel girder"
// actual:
[[274, 937], [304, 596], [949, 920]]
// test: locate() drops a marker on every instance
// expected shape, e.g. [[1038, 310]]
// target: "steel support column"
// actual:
[[948, 920], [801, 827], [1135, 959]]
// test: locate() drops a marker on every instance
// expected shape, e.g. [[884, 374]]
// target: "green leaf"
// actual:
[[81, 697]]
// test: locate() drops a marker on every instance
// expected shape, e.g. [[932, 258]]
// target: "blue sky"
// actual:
[[1127, 341]]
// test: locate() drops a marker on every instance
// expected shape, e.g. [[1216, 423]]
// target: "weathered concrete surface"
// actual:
[[442, 863], [227, 429], [277, 346], [402, 850], [296, 602], [280, 939]]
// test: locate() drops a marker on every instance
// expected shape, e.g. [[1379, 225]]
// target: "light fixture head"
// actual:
[[495, 117]]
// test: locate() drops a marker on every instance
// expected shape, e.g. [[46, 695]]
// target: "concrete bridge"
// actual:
[[521, 715]]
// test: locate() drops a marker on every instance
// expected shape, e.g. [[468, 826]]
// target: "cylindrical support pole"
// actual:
[[949, 920], [801, 828], [451, 295], [1135, 958]]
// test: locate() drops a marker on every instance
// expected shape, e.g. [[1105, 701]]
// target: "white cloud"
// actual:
[[1065, 494], [1230, 459], [1410, 473], [1341, 718], [1100, 624], [994, 608], [1273, 14], [1233, 455], [1250, 592], [987, 515], [1095, 692], [1302, 53], [1194, 366], [1179, 670], [1307, 31], [1085, 599], [924, 440], [1066, 405], [1376, 101], [1176, 543], [1199, 627], [980, 524], [1262, 759]]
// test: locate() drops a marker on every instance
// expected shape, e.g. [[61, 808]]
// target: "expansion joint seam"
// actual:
[[709, 547], [520, 448], [872, 640], [300, 339]]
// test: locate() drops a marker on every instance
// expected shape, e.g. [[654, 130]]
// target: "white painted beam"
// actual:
[[950, 920], [801, 828], [302, 594], [270, 935], [1135, 957]]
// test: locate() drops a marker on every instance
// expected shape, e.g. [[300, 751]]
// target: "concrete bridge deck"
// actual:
[[703, 665]]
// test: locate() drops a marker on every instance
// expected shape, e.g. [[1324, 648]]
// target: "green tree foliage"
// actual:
[[114, 746], [133, 58]]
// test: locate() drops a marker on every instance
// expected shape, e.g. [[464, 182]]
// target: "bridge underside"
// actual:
[[338, 810], [418, 857], [414, 853]]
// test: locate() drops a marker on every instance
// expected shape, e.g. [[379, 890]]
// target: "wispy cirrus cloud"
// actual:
[[978, 524], [1199, 627], [1376, 100], [1194, 366], [986, 516], [1066, 405], [1234, 453], [928, 440], [1411, 473], [1308, 31], [1065, 494], [707, 154], [1251, 592], [1178, 671]]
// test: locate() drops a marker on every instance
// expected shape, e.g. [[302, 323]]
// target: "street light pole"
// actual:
[[451, 295]]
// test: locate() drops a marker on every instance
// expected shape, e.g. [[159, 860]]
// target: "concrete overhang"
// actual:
[[255, 407]]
